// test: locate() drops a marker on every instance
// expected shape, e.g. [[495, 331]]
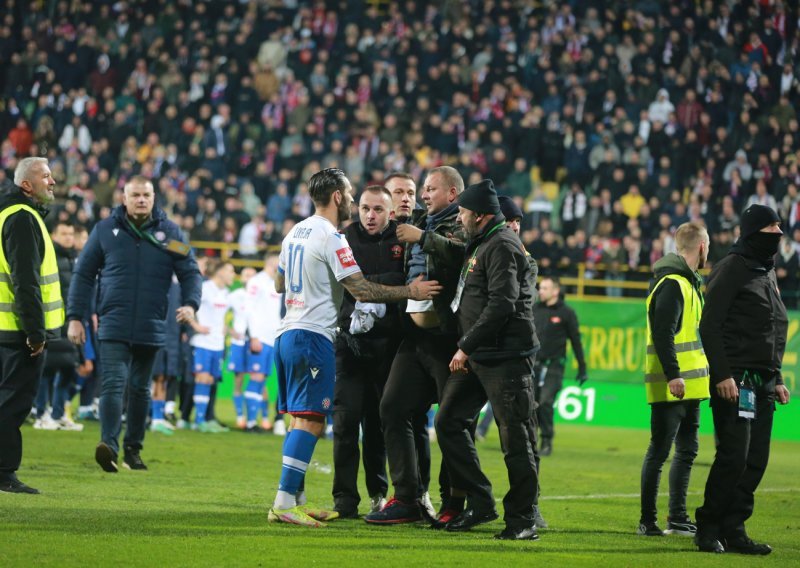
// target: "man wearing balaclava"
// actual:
[[743, 331]]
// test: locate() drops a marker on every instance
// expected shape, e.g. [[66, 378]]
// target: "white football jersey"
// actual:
[[213, 307], [315, 257], [237, 300], [263, 308]]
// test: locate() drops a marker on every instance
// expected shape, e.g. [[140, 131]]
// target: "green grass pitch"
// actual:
[[205, 498]]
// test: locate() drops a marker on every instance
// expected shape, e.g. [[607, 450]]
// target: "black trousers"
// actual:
[[546, 388], [670, 422], [19, 380], [739, 464], [357, 395], [508, 386], [416, 380]]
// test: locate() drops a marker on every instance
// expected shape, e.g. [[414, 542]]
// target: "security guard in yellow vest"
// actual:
[[31, 307], [676, 378]]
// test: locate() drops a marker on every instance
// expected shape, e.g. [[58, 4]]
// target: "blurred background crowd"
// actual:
[[610, 121]]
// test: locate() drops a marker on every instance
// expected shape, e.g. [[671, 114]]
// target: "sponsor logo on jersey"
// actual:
[[346, 258], [555, 319], [314, 372]]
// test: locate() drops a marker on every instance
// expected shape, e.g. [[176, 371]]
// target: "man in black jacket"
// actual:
[[365, 348], [420, 367], [556, 322], [494, 361], [743, 329], [32, 311], [62, 357]]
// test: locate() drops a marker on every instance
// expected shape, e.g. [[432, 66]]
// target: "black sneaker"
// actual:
[[106, 458], [708, 544], [132, 460], [745, 545], [14, 485], [683, 527], [394, 513], [649, 529], [525, 533]]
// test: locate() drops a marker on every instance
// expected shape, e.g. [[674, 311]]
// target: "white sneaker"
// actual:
[[45, 423], [65, 423], [279, 428], [425, 501], [162, 424]]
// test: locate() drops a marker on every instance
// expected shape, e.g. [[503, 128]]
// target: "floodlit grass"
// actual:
[[204, 502]]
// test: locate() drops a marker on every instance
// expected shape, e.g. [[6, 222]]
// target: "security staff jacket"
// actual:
[[495, 312], [24, 244]]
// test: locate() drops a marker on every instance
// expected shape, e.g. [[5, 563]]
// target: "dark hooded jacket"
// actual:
[[666, 309], [744, 325]]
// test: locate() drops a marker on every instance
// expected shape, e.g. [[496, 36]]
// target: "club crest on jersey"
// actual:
[[346, 258], [397, 252], [326, 403], [473, 262], [555, 319]]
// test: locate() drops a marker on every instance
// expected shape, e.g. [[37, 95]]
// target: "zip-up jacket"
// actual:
[[135, 273], [23, 247], [495, 314], [380, 258], [444, 246], [666, 309], [555, 324], [744, 324]]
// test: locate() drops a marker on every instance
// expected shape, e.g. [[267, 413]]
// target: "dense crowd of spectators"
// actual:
[[614, 121]]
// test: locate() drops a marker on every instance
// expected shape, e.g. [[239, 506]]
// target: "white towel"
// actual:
[[364, 316]]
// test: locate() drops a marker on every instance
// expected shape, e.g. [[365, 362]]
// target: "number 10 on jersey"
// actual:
[[295, 268]]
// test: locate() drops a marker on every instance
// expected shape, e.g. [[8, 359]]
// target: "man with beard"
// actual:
[[494, 361], [316, 265], [676, 377], [743, 329], [32, 311], [365, 347], [420, 367]]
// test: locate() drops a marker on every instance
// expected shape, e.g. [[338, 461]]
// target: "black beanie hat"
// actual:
[[480, 198], [755, 218], [509, 208]]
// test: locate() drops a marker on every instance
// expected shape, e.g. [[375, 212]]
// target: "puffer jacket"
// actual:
[[134, 276]]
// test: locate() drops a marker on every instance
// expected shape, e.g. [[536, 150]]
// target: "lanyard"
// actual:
[[462, 280], [465, 270], [145, 236]]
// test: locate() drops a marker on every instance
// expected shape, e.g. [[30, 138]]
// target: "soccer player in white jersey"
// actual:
[[237, 355], [315, 263], [209, 341], [263, 308]]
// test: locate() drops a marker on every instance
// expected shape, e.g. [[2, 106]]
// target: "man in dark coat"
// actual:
[[134, 253]]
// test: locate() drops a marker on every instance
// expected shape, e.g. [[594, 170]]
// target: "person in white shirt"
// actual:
[[263, 309], [237, 355], [209, 340], [315, 266]]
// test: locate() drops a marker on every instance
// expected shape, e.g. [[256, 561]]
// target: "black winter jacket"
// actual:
[[23, 247], [744, 324], [380, 258], [555, 324], [495, 314]]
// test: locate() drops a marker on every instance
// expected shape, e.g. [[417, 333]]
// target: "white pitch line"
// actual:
[[637, 495]]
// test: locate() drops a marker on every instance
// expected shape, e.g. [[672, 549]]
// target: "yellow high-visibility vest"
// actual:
[[692, 360], [49, 283]]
